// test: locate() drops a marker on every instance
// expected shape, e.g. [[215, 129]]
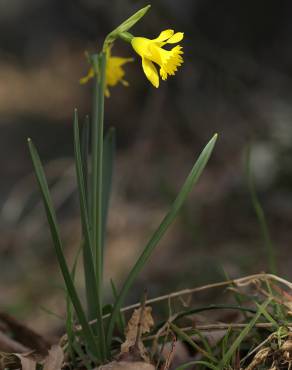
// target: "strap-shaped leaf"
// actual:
[[93, 294], [85, 136], [109, 146], [234, 346], [191, 180], [97, 181], [51, 216]]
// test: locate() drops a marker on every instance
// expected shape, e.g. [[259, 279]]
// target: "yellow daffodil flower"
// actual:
[[113, 75], [152, 51]]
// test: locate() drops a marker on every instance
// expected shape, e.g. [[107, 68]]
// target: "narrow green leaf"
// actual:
[[83, 177], [51, 216], [99, 61], [69, 310], [234, 346], [83, 357], [266, 314], [93, 294], [97, 162], [191, 180], [193, 344], [224, 342], [108, 163], [211, 307], [85, 136], [121, 321], [87, 248]]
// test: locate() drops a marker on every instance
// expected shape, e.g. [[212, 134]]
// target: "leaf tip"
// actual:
[[29, 142], [214, 138], [146, 8]]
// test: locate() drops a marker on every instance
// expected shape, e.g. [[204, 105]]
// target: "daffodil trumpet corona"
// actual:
[[152, 52]]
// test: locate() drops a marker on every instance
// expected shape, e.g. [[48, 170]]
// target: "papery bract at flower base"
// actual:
[[152, 51], [114, 73], [124, 27]]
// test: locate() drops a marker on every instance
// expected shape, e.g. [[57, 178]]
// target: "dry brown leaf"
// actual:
[[9, 345], [259, 358], [24, 361], [125, 365], [171, 353], [181, 354], [287, 346], [140, 323], [55, 359], [24, 335], [27, 363], [8, 361]]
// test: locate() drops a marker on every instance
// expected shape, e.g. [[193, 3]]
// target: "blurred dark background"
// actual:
[[236, 80]]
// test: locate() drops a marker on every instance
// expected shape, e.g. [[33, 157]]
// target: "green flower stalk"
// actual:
[[106, 71], [99, 64]]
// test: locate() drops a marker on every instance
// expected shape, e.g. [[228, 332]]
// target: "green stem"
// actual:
[[126, 36], [99, 65]]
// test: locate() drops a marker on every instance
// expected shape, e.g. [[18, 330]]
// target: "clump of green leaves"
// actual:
[[258, 339], [94, 166]]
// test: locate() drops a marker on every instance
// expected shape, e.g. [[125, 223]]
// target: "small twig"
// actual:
[[138, 335], [218, 327], [238, 282], [171, 353], [244, 281], [225, 326], [165, 328], [155, 346], [257, 347]]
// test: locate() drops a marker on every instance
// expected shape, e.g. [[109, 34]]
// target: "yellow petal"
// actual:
[[119, 61], [86, 78], [157, 53], [177, 37], [163, 73], [164, 35], [150, 72], [140, 45], [125, 83]]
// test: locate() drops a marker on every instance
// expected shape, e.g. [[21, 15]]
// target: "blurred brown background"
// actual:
[[236, 80]]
